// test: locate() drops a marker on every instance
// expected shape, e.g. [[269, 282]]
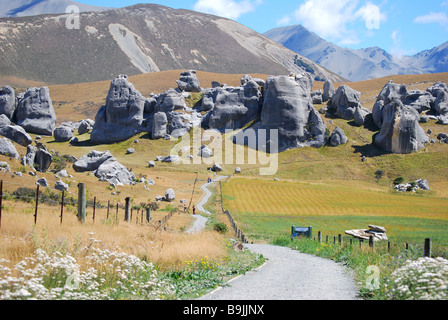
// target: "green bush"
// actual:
[[398, 181], [220, 227]]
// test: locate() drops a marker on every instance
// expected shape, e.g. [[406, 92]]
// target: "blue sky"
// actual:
[[401, 27]]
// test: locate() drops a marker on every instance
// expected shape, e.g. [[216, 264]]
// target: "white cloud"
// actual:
[[227, 9], [286, 20], [333, 19], [434, 17]]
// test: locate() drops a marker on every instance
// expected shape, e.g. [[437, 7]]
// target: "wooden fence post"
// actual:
[[62, 204], [319, 236], [371, 242], [127, 210], [37, 204], [81, 202], [148, 215], [340, 239], [108, 208], [428, 248], [94, 207]]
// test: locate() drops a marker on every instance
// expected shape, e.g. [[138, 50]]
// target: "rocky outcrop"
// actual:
[[170, 195], [378, 233], [189, 82], [115, 173], [338, 137], [232, 107], [159, 125], [288, 108], [63, 133], [328, 91], [16, 134], [7, 148], [400, 130], [92, 161], [7, 101], [42, 160], [345, 102], [122, 116], [35, 112], [85, 126]]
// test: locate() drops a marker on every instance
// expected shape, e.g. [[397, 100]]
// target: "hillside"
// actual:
[[139, 39], [22, 8], [362, 64]]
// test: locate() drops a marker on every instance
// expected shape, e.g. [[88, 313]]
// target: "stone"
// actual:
[[35, 112], [205, 152], [189, 82], [442, 136], [122, 116], [237, 170], [378, 233], [441, 103], [338, 137], [443, 120], [216, 168], [400, 130], [62, 174], [28, 160], [289, 111], [4, 166], [179, 124], [344, 102], [159, 126], [59, 185], [359, 117], [328, 91], [63, 133], [422, 184], [4, 120], [317, 96], [232, 107], [419, 100], [92, 161], [42, 160], [390, 92], [85, 126], [130, 151], [170, 195], [7, 101], [169, 101], [114, 172], [16, 134], [7, 148], [151, 164], [42, 182], [171, 159]]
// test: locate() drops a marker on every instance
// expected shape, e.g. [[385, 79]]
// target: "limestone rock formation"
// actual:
[[7, 101], [338, 137], [345, 102], [42, 160], [16, 134], [232, 107], [328, 91], [288, 109], [35, 112], [189, 82], [390, 92], [400, 130], [115, 173], [92, 161], [122, 116], [7, 148], [63, 133]]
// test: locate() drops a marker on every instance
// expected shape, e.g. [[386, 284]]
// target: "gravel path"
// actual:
[[289, 275], [201, 221]]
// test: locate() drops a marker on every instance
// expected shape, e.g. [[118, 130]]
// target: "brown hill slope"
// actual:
[[134, 40]]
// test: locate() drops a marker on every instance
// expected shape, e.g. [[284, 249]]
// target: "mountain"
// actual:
[[139, 39], [22, 8], [358, 65]]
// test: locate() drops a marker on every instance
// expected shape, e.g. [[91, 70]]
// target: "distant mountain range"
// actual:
[[139, 39], [357, 65], [23, 8]]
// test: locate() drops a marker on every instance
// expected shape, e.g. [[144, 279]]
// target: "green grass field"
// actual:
[[266, 209]]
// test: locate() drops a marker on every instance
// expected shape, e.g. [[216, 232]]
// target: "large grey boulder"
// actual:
[[35, 112], [232, 107], [289, 110], [63, 133], [91, 161], [28, 160], [400, 131], [16, 134], [4, 120], [169, 101], [7, 101], [159, 125], [345, 102], [7, 148], [42, 160], [317, 96], [189, 82], [114, 172], [419, 100], [441, 103], [170, 195], [85, 126], [61, 186], [390, 92], [122, 116], [328, 91]]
